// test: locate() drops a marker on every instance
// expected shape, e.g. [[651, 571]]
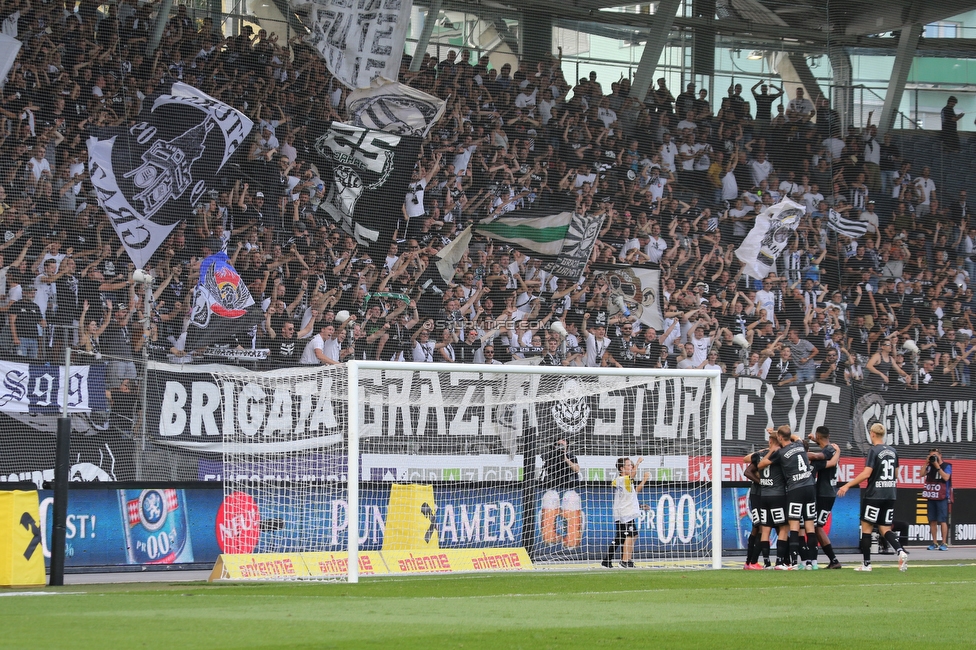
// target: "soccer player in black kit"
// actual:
[[801, 492], [825, 465], [772, 512], [878, 498], [755, 510]]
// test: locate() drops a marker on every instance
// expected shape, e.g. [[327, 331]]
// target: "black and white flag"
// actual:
[[367, 173], [846, 227], [769, 237], [150, 175], [577, 247], [395, 108], [359, 39]]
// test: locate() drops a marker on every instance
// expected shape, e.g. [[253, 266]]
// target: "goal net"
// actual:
[[450, 468]]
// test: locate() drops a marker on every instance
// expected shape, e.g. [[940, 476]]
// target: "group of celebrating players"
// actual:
[[793, 487]]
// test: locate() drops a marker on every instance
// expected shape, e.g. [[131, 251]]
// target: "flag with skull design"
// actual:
[[366, 173], [149, 175]]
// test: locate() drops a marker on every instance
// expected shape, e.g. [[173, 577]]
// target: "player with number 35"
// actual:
[[878, 498]]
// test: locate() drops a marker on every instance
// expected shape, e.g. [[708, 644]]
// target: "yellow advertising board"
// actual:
[[21, 553], [293, 566], [304, 566], [337, 564], [454, 560]]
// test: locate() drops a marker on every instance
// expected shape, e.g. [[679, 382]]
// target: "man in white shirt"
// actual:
[[656, 185], [799, 109], [871, 217], [702, 344], [39, 165], [766, 299], [761, 168], [656, 245], [812, 198], [925, 186], [323, 349], [739, 214], [668, 152], [597, 342]]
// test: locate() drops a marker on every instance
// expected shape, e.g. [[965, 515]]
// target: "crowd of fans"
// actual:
[[680, 180]]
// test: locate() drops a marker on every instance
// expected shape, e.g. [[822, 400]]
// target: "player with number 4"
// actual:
[[801, 494], [878, 498]]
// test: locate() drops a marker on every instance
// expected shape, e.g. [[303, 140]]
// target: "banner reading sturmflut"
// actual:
[[150, 175], [358, 40], [769, 237]]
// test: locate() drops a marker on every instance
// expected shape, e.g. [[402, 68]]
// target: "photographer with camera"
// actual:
[[938, 492]]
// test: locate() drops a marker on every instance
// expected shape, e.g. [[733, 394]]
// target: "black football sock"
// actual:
[[764, 548], [829, 550], [866, 547], [752, 554], [782, 551], [612, 549], [893, 541], [812, 547], [794, 546]]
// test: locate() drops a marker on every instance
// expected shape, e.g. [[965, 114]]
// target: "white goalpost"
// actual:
[[376, 468]]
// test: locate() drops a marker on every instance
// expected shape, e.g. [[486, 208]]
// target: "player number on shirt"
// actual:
[[887, 470]]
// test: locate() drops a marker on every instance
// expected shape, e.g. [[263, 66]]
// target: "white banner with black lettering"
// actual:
[[358, 40]]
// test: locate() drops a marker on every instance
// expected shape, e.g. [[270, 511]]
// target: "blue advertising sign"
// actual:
[[156, 526], [136, 527], [843, 527]]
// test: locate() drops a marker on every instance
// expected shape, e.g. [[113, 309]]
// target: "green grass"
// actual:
[[926, 607]]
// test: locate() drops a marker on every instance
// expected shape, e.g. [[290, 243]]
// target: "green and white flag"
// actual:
[[544, 235]]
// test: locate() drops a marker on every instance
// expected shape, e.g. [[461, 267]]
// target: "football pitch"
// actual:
[[929, 606]]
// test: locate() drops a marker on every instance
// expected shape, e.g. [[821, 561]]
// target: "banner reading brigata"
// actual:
[[189, 408]]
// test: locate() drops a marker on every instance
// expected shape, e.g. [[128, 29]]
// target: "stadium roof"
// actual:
[[850, 23]]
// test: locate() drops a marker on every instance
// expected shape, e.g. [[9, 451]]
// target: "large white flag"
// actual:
[[359, 40], [9, 48], [769, 237], [392, 107]]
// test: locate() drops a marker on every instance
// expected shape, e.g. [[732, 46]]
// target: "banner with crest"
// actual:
[[150, 175], [222, 305], [367, 173], [395, 108], [769, 237]]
